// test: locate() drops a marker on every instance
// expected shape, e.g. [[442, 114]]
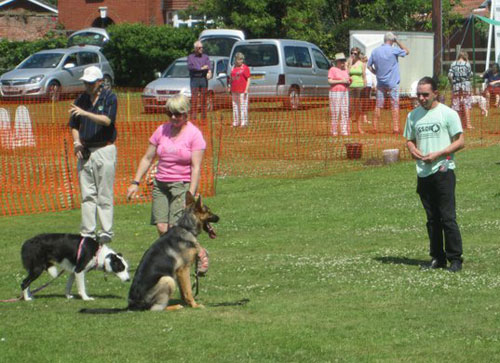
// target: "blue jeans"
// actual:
[[437, 193]]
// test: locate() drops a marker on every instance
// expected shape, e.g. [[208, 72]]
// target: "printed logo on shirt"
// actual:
[[426, 131]]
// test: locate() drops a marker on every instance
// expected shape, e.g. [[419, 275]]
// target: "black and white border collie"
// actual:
[[72, 253]]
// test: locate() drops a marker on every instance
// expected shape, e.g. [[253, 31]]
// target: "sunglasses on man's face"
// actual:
[[354, 53], [423, 94]]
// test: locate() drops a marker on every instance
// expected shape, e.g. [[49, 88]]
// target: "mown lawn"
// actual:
[[311, 270]]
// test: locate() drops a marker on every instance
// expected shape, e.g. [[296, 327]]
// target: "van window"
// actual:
[[258, 55], [218, 46], [298, 57], [321, 61], [221, 66]]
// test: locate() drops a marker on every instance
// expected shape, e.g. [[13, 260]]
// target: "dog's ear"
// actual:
[[189, 199], [199, 204]]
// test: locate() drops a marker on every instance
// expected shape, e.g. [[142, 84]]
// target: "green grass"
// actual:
[[330, 267]]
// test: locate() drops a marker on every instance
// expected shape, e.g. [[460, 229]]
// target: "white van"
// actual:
[[219, 42], [293, 69]]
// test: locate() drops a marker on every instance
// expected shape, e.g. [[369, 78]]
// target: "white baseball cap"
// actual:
[[91, 74]]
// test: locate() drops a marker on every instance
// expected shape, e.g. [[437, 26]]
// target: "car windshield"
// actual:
[[44, 60], [88, 38], [218, 46], [179, 69], [258, 55]]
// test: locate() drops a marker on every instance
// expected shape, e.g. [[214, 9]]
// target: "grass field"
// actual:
[[312, 270]]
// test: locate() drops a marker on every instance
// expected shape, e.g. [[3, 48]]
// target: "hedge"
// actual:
[[137, 51]]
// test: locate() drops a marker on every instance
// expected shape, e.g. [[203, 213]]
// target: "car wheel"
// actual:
[[54, 91], [293, 100], [107, 82], [210, 101]]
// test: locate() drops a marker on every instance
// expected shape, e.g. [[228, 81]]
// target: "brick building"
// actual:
[[26, 19], [78, 14]]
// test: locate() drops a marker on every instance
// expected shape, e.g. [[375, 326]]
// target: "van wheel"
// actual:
[[210, 101], [293, 100], [54, 91]]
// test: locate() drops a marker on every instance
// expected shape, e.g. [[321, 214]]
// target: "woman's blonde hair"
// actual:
[[178, 104], [239, 55]]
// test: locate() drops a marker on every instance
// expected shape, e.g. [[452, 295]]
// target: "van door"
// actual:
[[299, 69], [322, 65]]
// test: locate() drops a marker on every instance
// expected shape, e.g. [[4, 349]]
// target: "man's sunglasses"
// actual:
[[424, 94]]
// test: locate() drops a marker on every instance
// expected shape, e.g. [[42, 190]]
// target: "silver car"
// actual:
[[51, 73], [175, 80]]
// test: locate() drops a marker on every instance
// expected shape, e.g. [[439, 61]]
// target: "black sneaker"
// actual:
[[456, 265], [435, 263]]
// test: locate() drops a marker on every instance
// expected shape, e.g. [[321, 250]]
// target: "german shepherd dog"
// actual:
[[169, 259]]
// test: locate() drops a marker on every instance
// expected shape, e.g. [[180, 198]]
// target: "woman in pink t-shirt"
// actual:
[[238, 86], [339, 80], [179, 146]]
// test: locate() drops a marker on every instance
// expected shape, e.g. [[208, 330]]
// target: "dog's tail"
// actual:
[[104, 311]]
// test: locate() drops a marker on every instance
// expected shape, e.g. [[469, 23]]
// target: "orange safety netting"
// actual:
[[283, 139]]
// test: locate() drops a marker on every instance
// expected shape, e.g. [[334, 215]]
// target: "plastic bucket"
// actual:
[[354, 150], [390, 156]]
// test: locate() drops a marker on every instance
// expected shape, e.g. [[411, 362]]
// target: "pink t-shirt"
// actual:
[[174, 154], [337, 74]]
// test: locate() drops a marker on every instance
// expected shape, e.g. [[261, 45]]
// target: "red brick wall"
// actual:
[[26, 25], [78, 14]]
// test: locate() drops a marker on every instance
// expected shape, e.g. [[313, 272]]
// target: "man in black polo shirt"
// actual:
[[92, 124]]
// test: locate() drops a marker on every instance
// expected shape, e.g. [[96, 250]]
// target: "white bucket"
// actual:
[[390, 156]]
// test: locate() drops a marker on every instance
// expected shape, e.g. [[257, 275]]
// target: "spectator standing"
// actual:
[[384, 64], [357, 72], [339, 80], [492, 79], [179, 146], [459, 75], [199, 73], [92, 123], [434, 133], [238, 86]]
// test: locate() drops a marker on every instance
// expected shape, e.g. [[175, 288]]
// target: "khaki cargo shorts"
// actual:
[[168, 201]]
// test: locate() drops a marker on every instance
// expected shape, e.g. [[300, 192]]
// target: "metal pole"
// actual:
[[473, 56], [490, 33]]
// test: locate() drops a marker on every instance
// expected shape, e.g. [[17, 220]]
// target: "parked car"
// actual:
[[219, 42], [88, 36], [291, 69], [51, 73], [175, 80]]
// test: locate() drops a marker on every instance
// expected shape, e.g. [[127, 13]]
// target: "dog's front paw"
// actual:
[[87, 298], [69, 296], [198, 306], [27, 298]]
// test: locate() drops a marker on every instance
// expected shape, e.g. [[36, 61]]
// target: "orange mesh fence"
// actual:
[[284, 138], [38, 171]]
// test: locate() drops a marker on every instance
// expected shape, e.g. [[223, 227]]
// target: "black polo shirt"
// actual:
[[91, 132]]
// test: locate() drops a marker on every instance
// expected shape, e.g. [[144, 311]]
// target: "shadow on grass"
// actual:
[[241, 302], [401, 261], [76, 296]]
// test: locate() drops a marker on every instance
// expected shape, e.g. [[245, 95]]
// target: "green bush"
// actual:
[[137, 51], [12, 53]]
